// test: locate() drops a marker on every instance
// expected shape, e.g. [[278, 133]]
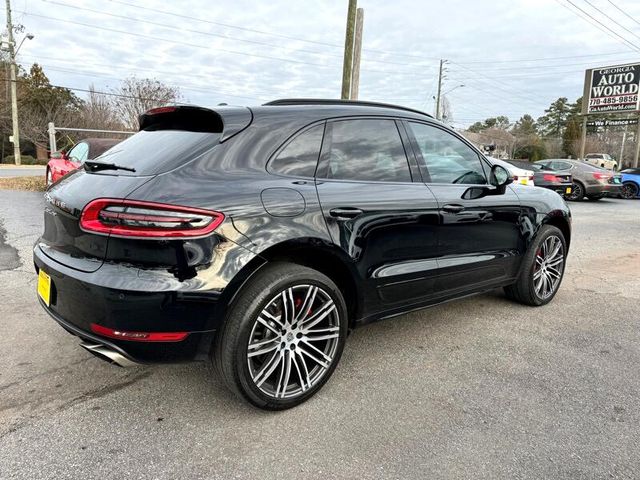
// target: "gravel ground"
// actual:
[[479, 388]]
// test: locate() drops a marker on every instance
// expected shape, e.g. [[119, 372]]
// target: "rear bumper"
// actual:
[[603, 189], [116, 297], [560, 188]]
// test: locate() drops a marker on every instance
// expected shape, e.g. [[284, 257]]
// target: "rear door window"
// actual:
[[299, 157], [368, 150]]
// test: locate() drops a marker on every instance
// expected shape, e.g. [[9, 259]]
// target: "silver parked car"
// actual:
[[588, 181]]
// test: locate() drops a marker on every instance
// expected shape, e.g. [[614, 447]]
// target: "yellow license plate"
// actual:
[[568, 190], [524, 181], [44, 287]]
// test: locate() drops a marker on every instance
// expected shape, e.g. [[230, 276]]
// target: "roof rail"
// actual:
[[329, 101]]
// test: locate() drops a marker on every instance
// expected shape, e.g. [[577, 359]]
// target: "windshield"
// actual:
[[153, 152]]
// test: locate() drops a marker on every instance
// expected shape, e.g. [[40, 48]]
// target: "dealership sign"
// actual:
[[612, 123], [612, 89]]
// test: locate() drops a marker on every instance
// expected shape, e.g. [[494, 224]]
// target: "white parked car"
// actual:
[[602, 160], [520, 175]]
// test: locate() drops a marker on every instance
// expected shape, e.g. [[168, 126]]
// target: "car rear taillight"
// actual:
[[139, 336], [157, 110], [138, 219], [550, 178], [601, 176]]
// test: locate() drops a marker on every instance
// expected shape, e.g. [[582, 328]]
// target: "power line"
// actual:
[[217, 35], [205, 47], [541, 59], [495, 83], [623, 12], [262, 32], [110, 94], [599, 23], [139, 69], [534, 67], [188, 88], [614, 21]]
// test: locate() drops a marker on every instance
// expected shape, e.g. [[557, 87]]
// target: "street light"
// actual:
[[28, 36], [439, 98]]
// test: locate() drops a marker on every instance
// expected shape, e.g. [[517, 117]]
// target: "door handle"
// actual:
[[453, 208], [345, 212]]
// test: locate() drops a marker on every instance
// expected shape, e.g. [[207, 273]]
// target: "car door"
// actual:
[[378, 211], [480, 240]]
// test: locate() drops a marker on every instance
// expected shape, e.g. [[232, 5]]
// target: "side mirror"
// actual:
[[499, 177]]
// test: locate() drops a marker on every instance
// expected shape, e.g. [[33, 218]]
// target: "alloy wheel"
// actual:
[[293, 342], [628, 190], [576, 192], [49, 178], [548, 268]]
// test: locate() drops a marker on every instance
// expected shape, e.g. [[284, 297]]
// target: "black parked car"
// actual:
[[257, 237], [559, 182]]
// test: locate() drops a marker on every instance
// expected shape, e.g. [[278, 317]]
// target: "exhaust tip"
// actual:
[[107, 354]]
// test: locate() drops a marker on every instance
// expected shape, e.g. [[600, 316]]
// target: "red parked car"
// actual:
[[61, 163]]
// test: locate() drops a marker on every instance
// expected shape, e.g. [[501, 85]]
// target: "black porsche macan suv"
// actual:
[[255, 238]]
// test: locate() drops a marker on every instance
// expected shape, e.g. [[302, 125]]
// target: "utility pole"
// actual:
[[14, 92], [347, 64], [438, 99], [357, 54]]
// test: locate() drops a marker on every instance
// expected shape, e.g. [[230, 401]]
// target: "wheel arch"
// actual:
[[559, 221], [311, 252], [326, 258]]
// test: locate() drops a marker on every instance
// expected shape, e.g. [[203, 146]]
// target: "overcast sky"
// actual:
[[513, 56]]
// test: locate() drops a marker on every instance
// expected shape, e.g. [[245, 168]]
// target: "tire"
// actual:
[[595, 198], [48, 178], [286, 373], [577, 192], [629, 190], [525, 290]]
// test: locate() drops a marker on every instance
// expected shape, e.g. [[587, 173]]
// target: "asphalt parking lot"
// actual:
[[479, 388]]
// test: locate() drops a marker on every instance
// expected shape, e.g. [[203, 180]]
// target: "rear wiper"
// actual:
[[90, 166]]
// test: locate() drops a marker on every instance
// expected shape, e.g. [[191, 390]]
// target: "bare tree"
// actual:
[[137, 95], [98, 112]]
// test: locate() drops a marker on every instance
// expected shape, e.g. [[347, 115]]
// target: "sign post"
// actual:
[[583, 141], [637, 154], [610, 90]]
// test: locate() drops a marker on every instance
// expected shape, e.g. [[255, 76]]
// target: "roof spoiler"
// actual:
[[227, 121]]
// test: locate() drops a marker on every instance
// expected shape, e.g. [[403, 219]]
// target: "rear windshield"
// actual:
[[158, 151]]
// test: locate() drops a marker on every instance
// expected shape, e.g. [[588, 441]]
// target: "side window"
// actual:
[[79, 153], [300, 156], [366, 150], [446, 158], [560, 165]]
